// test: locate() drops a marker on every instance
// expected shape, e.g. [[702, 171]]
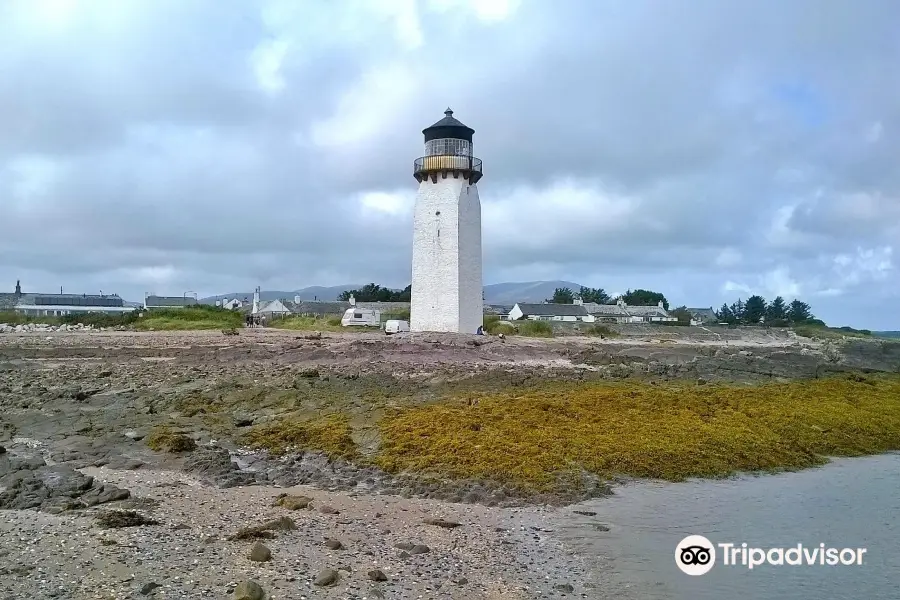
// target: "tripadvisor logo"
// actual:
[[696, 555]]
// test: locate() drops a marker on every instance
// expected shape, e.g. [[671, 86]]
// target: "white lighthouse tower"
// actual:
[[446, 258]]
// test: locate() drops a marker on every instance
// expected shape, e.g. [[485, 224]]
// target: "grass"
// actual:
[[189, 318], [602, 330], [301, 323], [172, 319], [329, 434], [830, 333], [493, 325], [535, 329], [671, 432]]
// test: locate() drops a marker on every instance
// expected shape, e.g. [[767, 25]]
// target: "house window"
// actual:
[[357, 315]]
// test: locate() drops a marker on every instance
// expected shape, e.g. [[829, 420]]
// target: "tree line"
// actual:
[[756, 310], [599, 296], [375, 293]]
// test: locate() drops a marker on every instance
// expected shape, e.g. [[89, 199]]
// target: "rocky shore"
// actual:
[[89, 510], [45, 328]]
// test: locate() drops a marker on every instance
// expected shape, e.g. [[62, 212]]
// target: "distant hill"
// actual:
[[315, 292], [525, 291], [495, 293], [887, 334]]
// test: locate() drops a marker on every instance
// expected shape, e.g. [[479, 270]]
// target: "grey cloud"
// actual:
[[172, 158]]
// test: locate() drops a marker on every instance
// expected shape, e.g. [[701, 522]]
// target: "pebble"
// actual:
[[260, 553]]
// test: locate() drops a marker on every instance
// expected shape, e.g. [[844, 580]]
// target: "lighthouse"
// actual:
[[446, 256]]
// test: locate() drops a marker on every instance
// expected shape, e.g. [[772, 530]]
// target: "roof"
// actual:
[[706, 313], [8, 301], [553, 310], [605, 309], [171, 301], [646, 311], [78, 300], [318, 308], [273, 306], [448, 127]]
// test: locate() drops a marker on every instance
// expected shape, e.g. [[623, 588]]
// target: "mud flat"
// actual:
[[161, 424]]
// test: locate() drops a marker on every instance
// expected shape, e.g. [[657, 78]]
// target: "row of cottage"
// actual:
[[591, 312], [588, 312]]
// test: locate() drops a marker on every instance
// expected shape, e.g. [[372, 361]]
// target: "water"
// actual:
[[847, 503]]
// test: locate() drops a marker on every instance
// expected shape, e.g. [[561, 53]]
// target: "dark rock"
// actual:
[[333, 544], [405, 545], [264, 531], [292, 502], [328, 510], [214, 466], [30, 483], [147, 588], [377, 575], [565, 587], [441, 523], [248, 590], [260, 553], [326, 577], [420, 549], [587, 513]]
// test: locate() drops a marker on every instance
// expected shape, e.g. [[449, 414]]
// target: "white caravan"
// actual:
[[365, 317]]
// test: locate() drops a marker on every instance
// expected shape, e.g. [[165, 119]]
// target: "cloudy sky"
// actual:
[[708, 149]]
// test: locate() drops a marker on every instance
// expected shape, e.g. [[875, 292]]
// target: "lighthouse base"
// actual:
[[446, 262]]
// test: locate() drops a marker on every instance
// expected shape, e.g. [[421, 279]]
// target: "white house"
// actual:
[[273, 308], [550, 312], [702, 316], [233, 304], [608, 313], [648, 314]]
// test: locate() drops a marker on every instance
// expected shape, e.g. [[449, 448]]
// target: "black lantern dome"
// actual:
[[448, 151], [449, 127]]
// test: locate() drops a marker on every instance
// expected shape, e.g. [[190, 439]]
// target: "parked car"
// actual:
[[395, 326]]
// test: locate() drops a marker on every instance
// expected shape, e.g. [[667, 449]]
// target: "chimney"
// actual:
[[296, 299], [352, 301], [660, 304], [578, 302]]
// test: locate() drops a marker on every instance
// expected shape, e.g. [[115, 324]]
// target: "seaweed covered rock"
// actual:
[[165, 439]]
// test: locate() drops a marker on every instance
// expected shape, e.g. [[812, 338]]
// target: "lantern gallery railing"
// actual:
[[431, 166]]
